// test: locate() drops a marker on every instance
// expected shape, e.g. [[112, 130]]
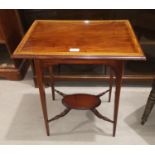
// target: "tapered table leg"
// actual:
[[110, 85], [39, 79], [118, 81], [50, 69], [34, 73]]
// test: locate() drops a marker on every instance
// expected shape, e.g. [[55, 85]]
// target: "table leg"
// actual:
[[39, 79], [51, 74], [110, 85], [34, 73], [118, 81]]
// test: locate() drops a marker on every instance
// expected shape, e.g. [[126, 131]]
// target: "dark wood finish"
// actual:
[[85, 101], [1, 37], [10, 35], [39, 73], [95, 111], [96, 78], [110, 85], [52, 81], [11, 27], [62, 114], [100, 42], [143, 22], [116, 39], [149, 105], [81, 101], [118, 73]]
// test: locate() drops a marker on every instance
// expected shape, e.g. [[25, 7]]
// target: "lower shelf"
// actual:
[[81, 101]]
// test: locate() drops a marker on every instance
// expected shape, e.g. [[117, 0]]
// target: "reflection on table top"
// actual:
[[107, 39]]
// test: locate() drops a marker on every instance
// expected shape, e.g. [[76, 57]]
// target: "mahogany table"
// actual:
[[109, 42]]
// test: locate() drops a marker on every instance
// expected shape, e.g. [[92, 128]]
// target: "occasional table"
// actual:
[[52, 42]]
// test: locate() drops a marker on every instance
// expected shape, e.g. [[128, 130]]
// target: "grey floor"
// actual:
[[21, 120]]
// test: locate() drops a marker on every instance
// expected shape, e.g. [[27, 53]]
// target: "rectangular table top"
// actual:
[[102, 39]]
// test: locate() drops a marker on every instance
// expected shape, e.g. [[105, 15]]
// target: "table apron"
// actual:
[[114, 64], [47, 62]]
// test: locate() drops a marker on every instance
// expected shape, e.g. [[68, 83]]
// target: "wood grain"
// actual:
[[81, 101], [103, 38]]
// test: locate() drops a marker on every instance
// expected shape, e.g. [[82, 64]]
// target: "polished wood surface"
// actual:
[[105, 39], [11, 34], [99, 42], [84, 101], [81, 101], [142, 21], [10, 28]]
